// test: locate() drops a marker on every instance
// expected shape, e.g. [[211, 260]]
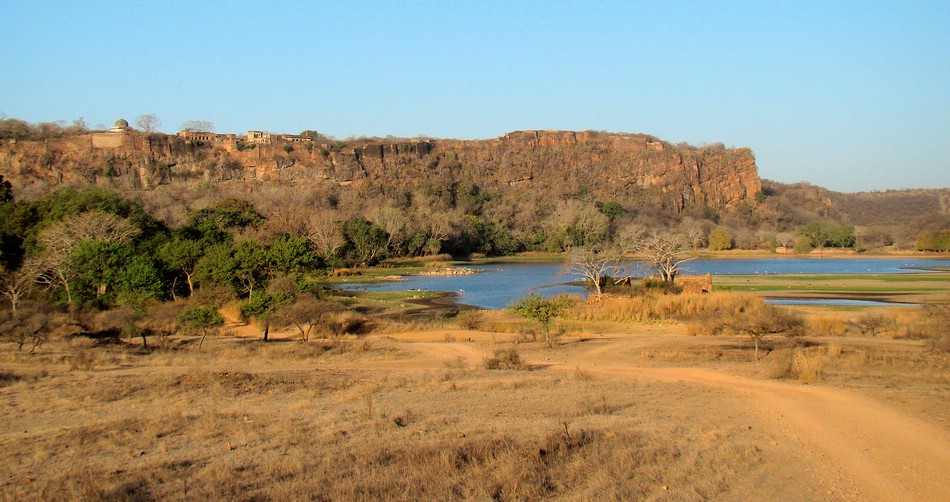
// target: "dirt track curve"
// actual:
[[864, 448], [884, 453], [861, 446]]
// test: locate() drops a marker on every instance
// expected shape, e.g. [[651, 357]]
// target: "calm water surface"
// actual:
[[502, 283], [834, 302]]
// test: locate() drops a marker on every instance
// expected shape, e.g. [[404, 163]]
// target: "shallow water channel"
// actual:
[[501, 284]]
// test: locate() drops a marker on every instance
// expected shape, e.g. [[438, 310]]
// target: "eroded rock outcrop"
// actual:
[[634, 169]]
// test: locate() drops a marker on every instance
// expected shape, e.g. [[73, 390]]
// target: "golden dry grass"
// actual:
[[418, 416], [234, 426], [659, 306]]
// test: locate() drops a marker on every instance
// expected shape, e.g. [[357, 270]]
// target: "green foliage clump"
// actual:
[[227, 214], [542, 310], [823, 233], [201, 319], [365, 241], [711, 214], [260, 305], [111, 272], [934, 241], [612, 210], [803, 245], [720, 240]]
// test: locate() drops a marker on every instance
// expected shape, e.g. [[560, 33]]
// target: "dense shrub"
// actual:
[[505, 359], [471, 319]]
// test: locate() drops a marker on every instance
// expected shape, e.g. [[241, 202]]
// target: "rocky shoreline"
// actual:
[[450, 272]]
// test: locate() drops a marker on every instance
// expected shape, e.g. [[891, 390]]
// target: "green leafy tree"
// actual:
[[226, 214], [495, 240], [241, 266], [202, 319], [823, 233], [68, 202], [612, 210], [17, 221], [111, 273], [182, 255], [934, 241], [250, 266], [542, 311], [720, 239], [803, 245], [842, 237], [366, 240], [97, 265], [102, 233], [291, 255], [138, 282], [260, 306]]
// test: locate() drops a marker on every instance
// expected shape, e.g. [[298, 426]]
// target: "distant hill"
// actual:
[[887, 208]]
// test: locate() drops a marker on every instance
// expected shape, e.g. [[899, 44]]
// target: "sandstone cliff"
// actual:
[[636, 170]]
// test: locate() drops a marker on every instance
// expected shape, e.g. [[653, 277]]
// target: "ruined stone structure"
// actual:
[[695, 283], [266, 138], [116, 137], [258, 137], [205, 136]]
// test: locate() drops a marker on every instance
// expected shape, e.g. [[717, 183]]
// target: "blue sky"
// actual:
[[848, 95]]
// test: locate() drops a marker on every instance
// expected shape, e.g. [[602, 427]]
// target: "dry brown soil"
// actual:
[[722, 428]]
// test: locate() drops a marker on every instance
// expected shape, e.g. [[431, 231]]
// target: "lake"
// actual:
[[502, 283]]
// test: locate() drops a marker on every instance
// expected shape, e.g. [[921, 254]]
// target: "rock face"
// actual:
[[633, 169], [638, 169]]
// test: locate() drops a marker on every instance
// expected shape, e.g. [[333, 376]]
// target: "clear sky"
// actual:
[[848, 95]]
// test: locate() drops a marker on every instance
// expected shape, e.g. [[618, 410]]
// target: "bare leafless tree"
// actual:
[[31, 326], [148, 122], [578, 223], [665, 251], [16, 284], [393, 220], [197, 126], [595, 263], [324, 232], [785, 239]]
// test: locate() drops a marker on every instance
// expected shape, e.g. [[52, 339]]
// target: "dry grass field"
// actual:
[[617, 410]]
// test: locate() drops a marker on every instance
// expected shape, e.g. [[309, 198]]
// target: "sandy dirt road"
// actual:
[[861, 447], [883, 453], [865, 449]]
